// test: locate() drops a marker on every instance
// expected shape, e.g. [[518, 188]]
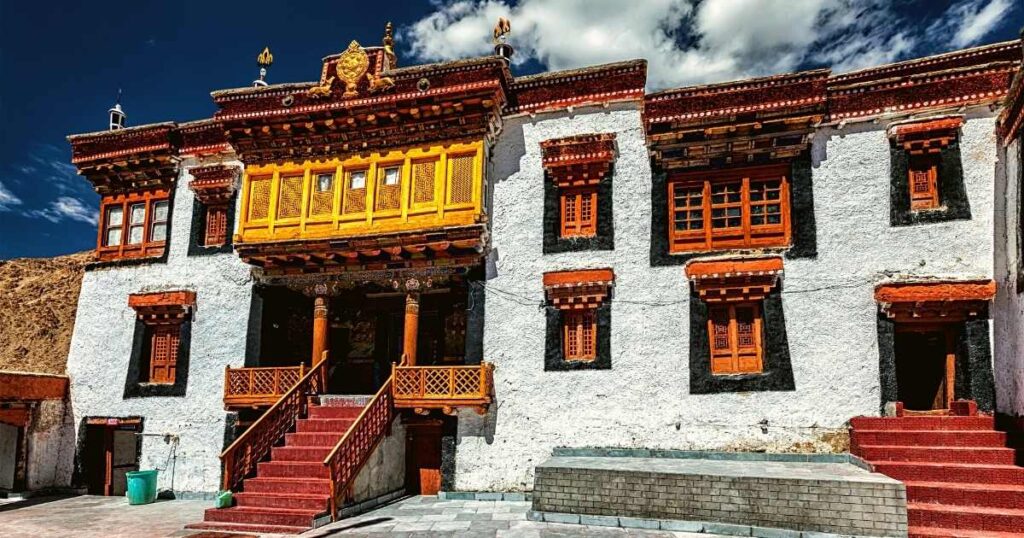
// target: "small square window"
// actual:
[[158, 232], [163, 353], [579, 212], [734, 335], [324, 182], [357, 179], [115, 226], [579, 330], [923, 181], [391, 175], [136, 224]]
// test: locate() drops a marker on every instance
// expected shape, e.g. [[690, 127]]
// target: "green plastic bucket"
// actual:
[[141, 486]]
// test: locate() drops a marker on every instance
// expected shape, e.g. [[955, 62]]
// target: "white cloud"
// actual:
[[65, 208], [690, 41], [7, 198], [970, 20]]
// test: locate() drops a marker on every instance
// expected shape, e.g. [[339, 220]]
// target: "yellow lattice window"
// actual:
[[321, 200], [389, 188], [290, 201], [259, 198], [423, 181], [460, 179], [355, 192]]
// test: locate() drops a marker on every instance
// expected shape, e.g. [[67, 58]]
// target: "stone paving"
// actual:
[[91, 516], [429, 517]]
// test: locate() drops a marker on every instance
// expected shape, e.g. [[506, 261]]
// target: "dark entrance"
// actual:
[[110, 450], [925, 365], [423, 457]]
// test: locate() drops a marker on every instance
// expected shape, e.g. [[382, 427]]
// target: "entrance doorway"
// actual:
[[111, 450], [926, 366], [423, 457]]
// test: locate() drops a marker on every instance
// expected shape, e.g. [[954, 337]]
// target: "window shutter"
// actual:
[[163, 356], [216, 225]]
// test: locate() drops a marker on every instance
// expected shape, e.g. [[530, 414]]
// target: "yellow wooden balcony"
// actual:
[[260, 386], [443, 387], [370, 194]]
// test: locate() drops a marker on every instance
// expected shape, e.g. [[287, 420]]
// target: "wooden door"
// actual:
[[423, 458], [925, 366], [110, 451]]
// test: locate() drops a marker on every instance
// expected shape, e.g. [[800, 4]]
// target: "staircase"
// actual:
[[292, 489], [962, 480]]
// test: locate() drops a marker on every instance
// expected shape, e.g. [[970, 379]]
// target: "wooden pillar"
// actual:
[[320, 324], [412, 323]]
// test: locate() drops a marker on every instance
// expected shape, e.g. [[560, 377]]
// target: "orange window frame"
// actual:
[[164, 341], [734, 336], [923, 180], [578, 212], [148, 246], [579, 334], [216, 225], [727, 209]]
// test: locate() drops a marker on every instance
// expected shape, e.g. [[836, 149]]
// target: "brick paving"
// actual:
[[91, 516]]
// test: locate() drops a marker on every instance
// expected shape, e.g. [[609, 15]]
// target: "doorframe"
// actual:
[[949, 329], [108, 425]]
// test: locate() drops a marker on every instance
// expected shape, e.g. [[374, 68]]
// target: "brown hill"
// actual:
[[38, 299]]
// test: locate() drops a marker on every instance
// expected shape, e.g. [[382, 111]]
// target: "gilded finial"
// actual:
[[501, 30], [389, 47], [389, 36], [265, 59]]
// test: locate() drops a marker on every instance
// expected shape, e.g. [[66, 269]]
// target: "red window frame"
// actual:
[[164, 340], [923, 180], [728, 209], [147, 247], [578, 212], [734, 336], [216, 232], [579, 334]]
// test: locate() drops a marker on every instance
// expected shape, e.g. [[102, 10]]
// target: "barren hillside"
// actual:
[[38, 298]]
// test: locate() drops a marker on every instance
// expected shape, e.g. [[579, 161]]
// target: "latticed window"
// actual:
[[734, 334], [163, 352], [216, 225], [721, 209], [289, 203], [460, 179], [579, 334], [923, 181], [423, 181], [389, 188], [259, 198], [355, 191], [579, 212], [321, 202]]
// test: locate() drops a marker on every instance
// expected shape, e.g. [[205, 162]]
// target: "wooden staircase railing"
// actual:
[[253, 446], [259, 386], [350, 454], [443, 387]]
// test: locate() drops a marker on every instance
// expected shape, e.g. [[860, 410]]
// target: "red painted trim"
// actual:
[[913, 292], [698, 269], [578, 277]]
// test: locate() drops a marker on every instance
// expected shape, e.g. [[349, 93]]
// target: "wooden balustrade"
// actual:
[[443, 387], [260, 386], [254, 445]]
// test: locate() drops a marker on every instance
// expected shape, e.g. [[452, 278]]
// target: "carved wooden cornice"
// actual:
[[578, 160], [214, 184], [587, 288], [728, 280]]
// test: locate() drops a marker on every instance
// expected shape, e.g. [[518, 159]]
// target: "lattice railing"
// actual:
[[362, 437], [420, 386], [254, 445], [259, 386]]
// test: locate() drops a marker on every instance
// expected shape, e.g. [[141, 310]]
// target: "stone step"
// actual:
[[932, 438], [312, 439], [345, 400], [243, 528], [314, 454], [264, 484], [293, 501], [292, 469], [937, 454], [952, 493], [945, 423], [262, 516], [338, 425], [951, 472], [965, 517]]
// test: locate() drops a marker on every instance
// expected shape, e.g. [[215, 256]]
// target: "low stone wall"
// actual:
[[818, 497]]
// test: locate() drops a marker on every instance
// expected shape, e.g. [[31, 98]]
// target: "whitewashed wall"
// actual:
[[102, 343], [643, 400], [1009, 305]]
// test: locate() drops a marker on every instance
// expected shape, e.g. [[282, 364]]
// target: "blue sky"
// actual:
[[61, 63]]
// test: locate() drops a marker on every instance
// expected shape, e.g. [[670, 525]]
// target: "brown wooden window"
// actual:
[[133, 225], [728, 209], [216, 225], [923, 181], [734, 333], [579, 334], [579, 212], [163, 352]]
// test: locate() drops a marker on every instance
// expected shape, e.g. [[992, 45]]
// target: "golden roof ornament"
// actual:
[[351, 67], [264, 60], [389, 46], [501, 30]]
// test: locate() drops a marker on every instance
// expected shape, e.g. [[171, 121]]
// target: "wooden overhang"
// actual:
[[747, 122], [214, 184], [585, 288], [458, 245], [1011, 120], [596, 85], [578, 160], [935, 300], [736, 279], [435, 103], [162, 306], [29, 386]]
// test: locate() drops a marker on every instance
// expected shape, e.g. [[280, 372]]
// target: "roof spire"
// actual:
[[264, 60], [389, 46], [117, 115], [501, 48]]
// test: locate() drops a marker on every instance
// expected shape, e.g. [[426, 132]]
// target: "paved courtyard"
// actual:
[[112, 517]]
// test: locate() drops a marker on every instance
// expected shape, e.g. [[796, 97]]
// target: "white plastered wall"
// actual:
[[102, 343], [1008, 366], [644, 400]]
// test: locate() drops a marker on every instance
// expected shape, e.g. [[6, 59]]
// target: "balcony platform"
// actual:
[[423, 388]]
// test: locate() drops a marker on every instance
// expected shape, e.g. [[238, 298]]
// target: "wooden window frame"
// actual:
[[926, 164], [735, 358], [218, 236], [571, 215], [163, 367], [745, 234], [148, 247], [577, 343]]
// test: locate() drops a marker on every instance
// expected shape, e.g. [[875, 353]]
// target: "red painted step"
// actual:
[[323, 425], [263, 516], [943, 423], [245, 528], [951, 472], [262, 484], [292, 469], [978, 438], [989, 455], [291, 501], [965, 517], [300, 453], [312, 439], [936, 532], [334, 412], [985, 495]]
